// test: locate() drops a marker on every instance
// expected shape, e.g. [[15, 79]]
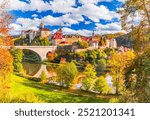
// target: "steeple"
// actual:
[[41, 25], [93, 34]]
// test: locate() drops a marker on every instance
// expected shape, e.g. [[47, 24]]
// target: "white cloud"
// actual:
[[34, 15], [90, 10], [15, 29], [84, 32], [95, 13], [64, 20], [121, 1], [15, 26], [63, 6], [100, 28], [57, 6], [71, 15], [27, 22], [33, 5], [93, 1], [109, 28], [87, 22]]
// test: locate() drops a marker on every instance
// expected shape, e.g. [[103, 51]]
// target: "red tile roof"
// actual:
[[45, 29], [58, 34], [86, 38], [63, 42]]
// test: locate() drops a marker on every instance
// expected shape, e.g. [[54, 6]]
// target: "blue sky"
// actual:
[[75, 16]]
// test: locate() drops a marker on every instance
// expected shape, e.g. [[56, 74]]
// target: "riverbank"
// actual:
[[25, 90]]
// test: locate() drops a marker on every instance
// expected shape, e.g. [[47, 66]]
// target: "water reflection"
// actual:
[[34, 70], [31, 68]]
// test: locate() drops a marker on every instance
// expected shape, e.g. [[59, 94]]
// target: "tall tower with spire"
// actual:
[[41, 25], [93, 33]]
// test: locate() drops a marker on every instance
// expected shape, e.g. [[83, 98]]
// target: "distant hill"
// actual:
[[121, 38], [125, 40], [109, 36]]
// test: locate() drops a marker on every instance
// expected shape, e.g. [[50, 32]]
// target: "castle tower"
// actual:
[[93, 33], [41, 25]]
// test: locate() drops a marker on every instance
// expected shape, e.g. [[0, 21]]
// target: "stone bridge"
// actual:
[[40, 50]]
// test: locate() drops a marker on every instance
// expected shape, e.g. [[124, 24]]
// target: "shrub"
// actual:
[[89, 77], [101, 85], [83, 44], [17, 63], [24, 97], [66, 73], [43, 77], [35, 79]]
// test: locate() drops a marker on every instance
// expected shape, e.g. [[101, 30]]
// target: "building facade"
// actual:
[[31, 34]]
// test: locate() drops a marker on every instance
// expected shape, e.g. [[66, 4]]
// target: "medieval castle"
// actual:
[[59, 39]]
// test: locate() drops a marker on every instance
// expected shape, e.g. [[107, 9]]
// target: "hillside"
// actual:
[[125, 40], [121, 38]]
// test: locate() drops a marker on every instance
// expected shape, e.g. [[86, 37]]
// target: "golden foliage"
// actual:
[[6, 59]]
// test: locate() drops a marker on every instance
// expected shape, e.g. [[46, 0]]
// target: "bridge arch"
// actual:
[[40, 50], [28, 52]]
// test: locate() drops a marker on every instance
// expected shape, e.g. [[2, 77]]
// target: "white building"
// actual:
[[31, 34], [111, 43]]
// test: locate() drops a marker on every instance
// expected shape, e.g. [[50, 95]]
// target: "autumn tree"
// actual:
[[66, 73], [89, 77], [118, 63], [101, 66], [83, 44], [140, 33], [17, 63], [43, 77], [101, 85], [6, 59]]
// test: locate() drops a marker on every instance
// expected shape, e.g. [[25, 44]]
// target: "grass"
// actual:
[[29, 91]]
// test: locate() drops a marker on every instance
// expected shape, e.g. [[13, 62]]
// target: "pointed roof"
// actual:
[[45, 29], [58, 34]]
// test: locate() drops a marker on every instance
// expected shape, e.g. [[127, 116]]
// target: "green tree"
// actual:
[[44, 41], [43, 77], [91, 56], [118, 63], [66, 73], [140, 34], [17, 63], [101, 66], [137, 78], [39, 41], [89, 77], [101, 85], [83, 44], [101, 54]]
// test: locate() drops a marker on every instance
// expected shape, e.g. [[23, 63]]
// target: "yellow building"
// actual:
[[44, 32]]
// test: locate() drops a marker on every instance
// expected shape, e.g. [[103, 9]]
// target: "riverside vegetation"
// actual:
[[130, 70]]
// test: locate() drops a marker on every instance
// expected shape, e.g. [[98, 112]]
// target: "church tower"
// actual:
[[41, 25], [93, 33]]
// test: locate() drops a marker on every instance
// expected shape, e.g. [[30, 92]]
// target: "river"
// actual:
[[35, 69]]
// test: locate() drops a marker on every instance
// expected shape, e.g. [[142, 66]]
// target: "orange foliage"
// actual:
[[51, 56], [6, 60], [5, 20]]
